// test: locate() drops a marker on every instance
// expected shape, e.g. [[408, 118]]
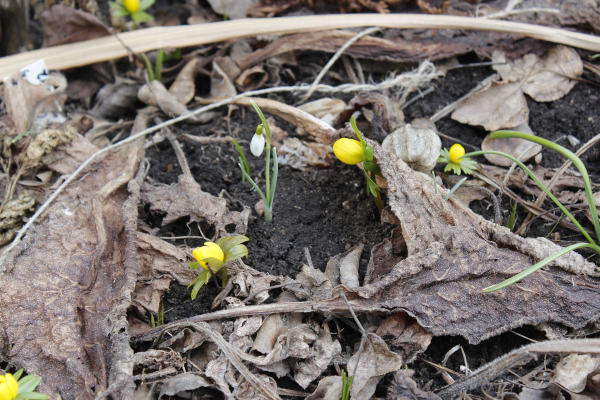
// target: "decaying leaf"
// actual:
[[348, 266], [252, 78], [318, 356], [326, 109], [573, 371], [184, 86], [403, 387], [155, 94], [503, 105], [160, 263], [404, 335], [545, 79], [315, 284], [303, 155], [374, 362], [224, 72], [76, 268], [62, 24], [183, 383], [329, 388], [116, 99], [35, 107], [452, 254], [230, 9], [186, 198]]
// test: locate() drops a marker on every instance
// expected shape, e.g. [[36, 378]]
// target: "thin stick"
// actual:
[[333, 59]]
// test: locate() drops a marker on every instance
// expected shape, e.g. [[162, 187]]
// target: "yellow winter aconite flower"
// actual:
[[349, 151], [131, 5], [9, 387], [456, 152], [209, 250]]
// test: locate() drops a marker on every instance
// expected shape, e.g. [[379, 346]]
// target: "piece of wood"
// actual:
[[143, 40]]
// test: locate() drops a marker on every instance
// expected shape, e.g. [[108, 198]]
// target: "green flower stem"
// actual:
[[541, 185], [568, 155], [516, 278], [267, 129]]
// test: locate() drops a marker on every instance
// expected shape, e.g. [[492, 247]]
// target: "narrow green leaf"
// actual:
[[244, 160], [356, 130], [275, 175], [159, 65], [512, 218], [563, 151], [149, 69], [541, 185], [518, 277], [455, 187], [141, 16]]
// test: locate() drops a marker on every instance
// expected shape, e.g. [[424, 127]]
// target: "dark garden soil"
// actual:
[[327, 210]]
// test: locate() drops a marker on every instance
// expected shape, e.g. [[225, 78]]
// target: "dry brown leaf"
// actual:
[[349, 266], [35, 107], [156, 94], [329, 388], [160, 263], [315, 285], [116, 99], [573, 371], [404, 335], [403, 387], [230, 9], [252, 78], [523, 150], [186, 199], [224, 72], [304, 155], [545, 79], [326, 109], [182, 383], [503, 105], [62, 24], [184, 86], [76, 268], [318, 355], [67, 158], [375, 361], [452, 254]]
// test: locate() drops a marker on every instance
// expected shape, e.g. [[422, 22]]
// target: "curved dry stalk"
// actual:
[[144, 40]]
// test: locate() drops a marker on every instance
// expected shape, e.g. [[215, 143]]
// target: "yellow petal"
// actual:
[[348, 151], [455, 153], [131, 5], [9, 387], [209, 250]]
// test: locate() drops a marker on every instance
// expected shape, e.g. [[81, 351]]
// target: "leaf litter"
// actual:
[[423, 281]]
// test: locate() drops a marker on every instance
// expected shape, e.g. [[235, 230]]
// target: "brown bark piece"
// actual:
[[372, 48], [454, 253]]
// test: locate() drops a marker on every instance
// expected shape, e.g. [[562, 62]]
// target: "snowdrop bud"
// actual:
[[257, 144]]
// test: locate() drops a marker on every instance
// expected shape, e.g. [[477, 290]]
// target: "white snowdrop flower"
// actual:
[[257, 144]]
